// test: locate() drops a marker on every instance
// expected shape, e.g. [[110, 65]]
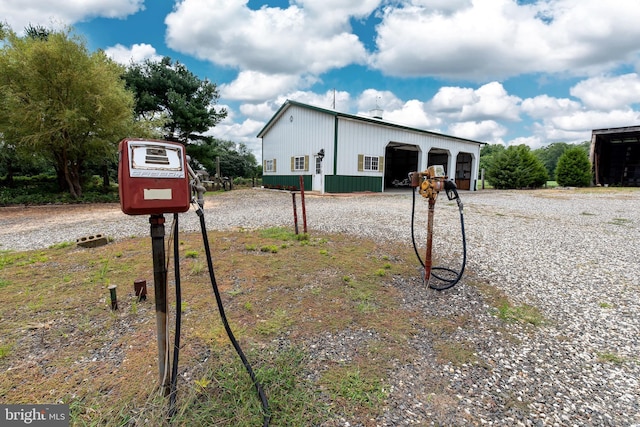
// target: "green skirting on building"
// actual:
[[332, 183], [351, 184], [286, 182]]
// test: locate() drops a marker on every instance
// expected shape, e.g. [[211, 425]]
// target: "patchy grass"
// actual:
[[519, 313], [505, 310], [619, 221], [61, 343], [610, 358], [455, 352], [191, 254], [355, 386]]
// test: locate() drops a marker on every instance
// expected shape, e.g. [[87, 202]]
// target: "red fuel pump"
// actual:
[[154, 178]]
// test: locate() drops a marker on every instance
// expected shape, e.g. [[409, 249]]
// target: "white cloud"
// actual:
[[547, 132], [22, 13], [532, 141], [489, 102], [270, 40], [574, 126], [257, 86], [490, 39], [606, 93], [138, 53], [341, 10], [410, 113], [244, 132], [263, 111], [484, 131], [413, 114], [583, 121], [372, 98], [323, 100], [453, 99], [546, 106]]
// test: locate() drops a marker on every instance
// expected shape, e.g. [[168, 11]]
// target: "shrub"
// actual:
[[516, 167], [574, 168]]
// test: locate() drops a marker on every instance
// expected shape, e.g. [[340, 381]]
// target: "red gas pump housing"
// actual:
[[153, 177]]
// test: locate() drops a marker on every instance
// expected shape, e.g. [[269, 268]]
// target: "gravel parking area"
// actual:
[[572, 254]]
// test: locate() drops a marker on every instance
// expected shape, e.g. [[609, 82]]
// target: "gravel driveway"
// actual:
[[572, 254]]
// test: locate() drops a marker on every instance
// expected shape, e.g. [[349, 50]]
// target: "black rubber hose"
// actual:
[[176, 342], [455, 276], [214, 285]]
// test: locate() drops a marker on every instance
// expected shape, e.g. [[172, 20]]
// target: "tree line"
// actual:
[[520, 167], [64, 109]]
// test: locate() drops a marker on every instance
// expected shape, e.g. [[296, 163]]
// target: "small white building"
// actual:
[[341, 153]]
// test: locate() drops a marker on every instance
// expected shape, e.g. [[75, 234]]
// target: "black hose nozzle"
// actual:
[[452, 193], [451, 189]]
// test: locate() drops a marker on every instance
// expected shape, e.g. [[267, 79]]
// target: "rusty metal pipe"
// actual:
[[304, 209], [160, 290], [428, 262], [295, 212]]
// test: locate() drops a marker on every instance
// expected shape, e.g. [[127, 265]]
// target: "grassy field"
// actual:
[[61, 343]]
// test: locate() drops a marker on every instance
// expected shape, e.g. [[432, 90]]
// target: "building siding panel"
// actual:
[[350, 184], [287, 182], [300, 132]]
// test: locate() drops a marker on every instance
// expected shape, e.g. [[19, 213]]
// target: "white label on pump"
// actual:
[[151, 159], [157, 194]]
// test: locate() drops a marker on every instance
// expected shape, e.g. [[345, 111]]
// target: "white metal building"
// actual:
[[340, 153]]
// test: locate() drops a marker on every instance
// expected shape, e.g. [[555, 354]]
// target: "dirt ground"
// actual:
[[15, 219]]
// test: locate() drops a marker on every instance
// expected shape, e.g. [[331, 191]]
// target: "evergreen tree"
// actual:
[[168, 92], [516, 167], [574, 168], [549, 156], [488, 154]]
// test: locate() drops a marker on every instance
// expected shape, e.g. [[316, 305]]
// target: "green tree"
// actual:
[[549, 156], [574, 168], [171, 93], [516, 167], [488, 154], [235, 159], [61, 101]]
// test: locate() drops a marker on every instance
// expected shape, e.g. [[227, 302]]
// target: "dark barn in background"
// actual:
[[615, 156]]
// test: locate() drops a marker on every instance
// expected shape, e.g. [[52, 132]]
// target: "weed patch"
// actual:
[[610, 358], [74, 349], [505, 310], [619, 221], [355, 386], [522, 313]]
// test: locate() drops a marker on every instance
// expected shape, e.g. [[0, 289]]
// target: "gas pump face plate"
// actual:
[[153, 177]]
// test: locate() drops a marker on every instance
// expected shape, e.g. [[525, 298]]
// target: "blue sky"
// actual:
[[498, 71]]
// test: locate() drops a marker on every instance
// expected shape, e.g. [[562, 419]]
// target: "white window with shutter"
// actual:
[[299, 163], [370, 163], [269, 166]]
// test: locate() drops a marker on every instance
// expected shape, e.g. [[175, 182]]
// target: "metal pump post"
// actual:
[[430, 182], [160, 289]]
